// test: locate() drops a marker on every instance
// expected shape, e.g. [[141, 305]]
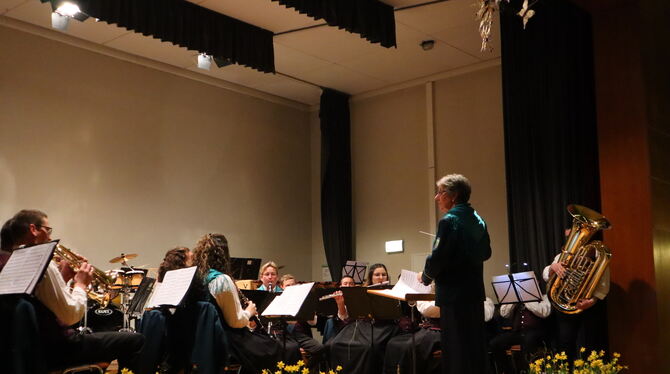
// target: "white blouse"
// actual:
[[224, 291]]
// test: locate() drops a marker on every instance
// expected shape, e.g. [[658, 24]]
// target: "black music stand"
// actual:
[[355, 270], [141, 297], [515, 288], [361, 304], [411, 299], [244, 268], [305, 310]]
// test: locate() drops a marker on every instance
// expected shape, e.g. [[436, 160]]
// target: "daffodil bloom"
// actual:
[[338, 368], [305, 371], [301, 363], [280, 364]]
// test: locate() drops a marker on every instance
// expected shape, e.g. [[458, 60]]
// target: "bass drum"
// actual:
[[104, 319]]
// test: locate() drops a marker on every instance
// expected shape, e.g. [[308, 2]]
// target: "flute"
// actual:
[[332, 295]]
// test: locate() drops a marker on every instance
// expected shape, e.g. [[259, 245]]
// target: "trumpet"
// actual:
[[100, 289]]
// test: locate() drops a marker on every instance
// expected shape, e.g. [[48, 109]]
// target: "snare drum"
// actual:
[[134, 278]]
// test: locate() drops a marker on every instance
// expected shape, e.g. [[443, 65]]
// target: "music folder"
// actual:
[[295, 303], [174, 287], [408, 288], [516, 288], [361, 304], [25, 268], [261, 298]]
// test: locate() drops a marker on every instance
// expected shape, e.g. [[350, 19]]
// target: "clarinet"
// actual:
[[245, 302]]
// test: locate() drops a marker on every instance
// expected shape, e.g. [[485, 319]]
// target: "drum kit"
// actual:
[[126, 282]]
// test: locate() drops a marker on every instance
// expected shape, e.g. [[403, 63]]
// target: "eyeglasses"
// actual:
[[49, 229], [440, 192]]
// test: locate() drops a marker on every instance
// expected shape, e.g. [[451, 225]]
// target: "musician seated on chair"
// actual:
[[592, 320], [268, 275], [528, 328], [61, 305]]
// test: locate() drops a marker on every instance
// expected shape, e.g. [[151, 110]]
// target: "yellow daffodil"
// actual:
[[582, 350], [281, 364], [305, 371], [616, 355], [301, 363], [579, 363], [338, 368]]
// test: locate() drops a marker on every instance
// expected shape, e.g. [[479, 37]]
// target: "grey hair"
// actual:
[[456, 184]]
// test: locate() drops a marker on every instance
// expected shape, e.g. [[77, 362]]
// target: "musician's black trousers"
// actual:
[[587, 329], [463, 338], [99, 347], [530, 339]]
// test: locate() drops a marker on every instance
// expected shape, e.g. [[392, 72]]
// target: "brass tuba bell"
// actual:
[[584, 262], [100, 289]]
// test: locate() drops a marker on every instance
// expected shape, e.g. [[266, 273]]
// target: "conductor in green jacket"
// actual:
[[456, 265]]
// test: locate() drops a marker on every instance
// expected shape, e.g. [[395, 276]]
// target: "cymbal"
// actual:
[[123, 257]]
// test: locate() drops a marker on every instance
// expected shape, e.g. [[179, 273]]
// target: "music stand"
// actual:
[[355, 270], [244, 268], [141, 297], [516, 288]]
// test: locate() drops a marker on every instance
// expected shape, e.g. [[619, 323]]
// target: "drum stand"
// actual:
[[125, 305], [84, 329]]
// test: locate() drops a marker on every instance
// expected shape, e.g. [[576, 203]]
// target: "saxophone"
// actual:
[[584, 262], [100, 289]]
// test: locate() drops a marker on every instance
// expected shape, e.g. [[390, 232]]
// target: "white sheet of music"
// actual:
[[173, 288], [527, 287], [408, 283], [25, 269], [290, 301]]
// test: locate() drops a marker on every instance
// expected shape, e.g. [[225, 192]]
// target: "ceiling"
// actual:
[[306, 59]]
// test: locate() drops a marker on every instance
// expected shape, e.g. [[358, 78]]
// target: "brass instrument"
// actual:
[[584, 262], [101, 286]]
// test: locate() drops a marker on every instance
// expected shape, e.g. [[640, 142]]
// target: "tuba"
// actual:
[[584, 262], [100, 289]]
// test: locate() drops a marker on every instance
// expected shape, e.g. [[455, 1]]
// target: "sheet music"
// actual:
[[25, 268], [408, 283], [290, 301], [525, 283], [173, 288]]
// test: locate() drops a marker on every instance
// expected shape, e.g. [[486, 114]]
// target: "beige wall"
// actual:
[[392, 191], [124, 158]]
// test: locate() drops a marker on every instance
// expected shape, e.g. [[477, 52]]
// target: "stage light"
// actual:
[[204, 61], [59, 21], [68, 9], [62, 12]]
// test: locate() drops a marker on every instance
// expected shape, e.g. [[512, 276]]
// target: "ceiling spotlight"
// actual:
[[68, 9], [63, 11], [427, 45], [59, 21], [204, 61]]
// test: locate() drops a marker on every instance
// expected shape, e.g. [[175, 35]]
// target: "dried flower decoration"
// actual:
[[487, 9]]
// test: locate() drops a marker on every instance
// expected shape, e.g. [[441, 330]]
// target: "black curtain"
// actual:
[[551, 145], [336, 219], [372, 19], [190, 26]]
